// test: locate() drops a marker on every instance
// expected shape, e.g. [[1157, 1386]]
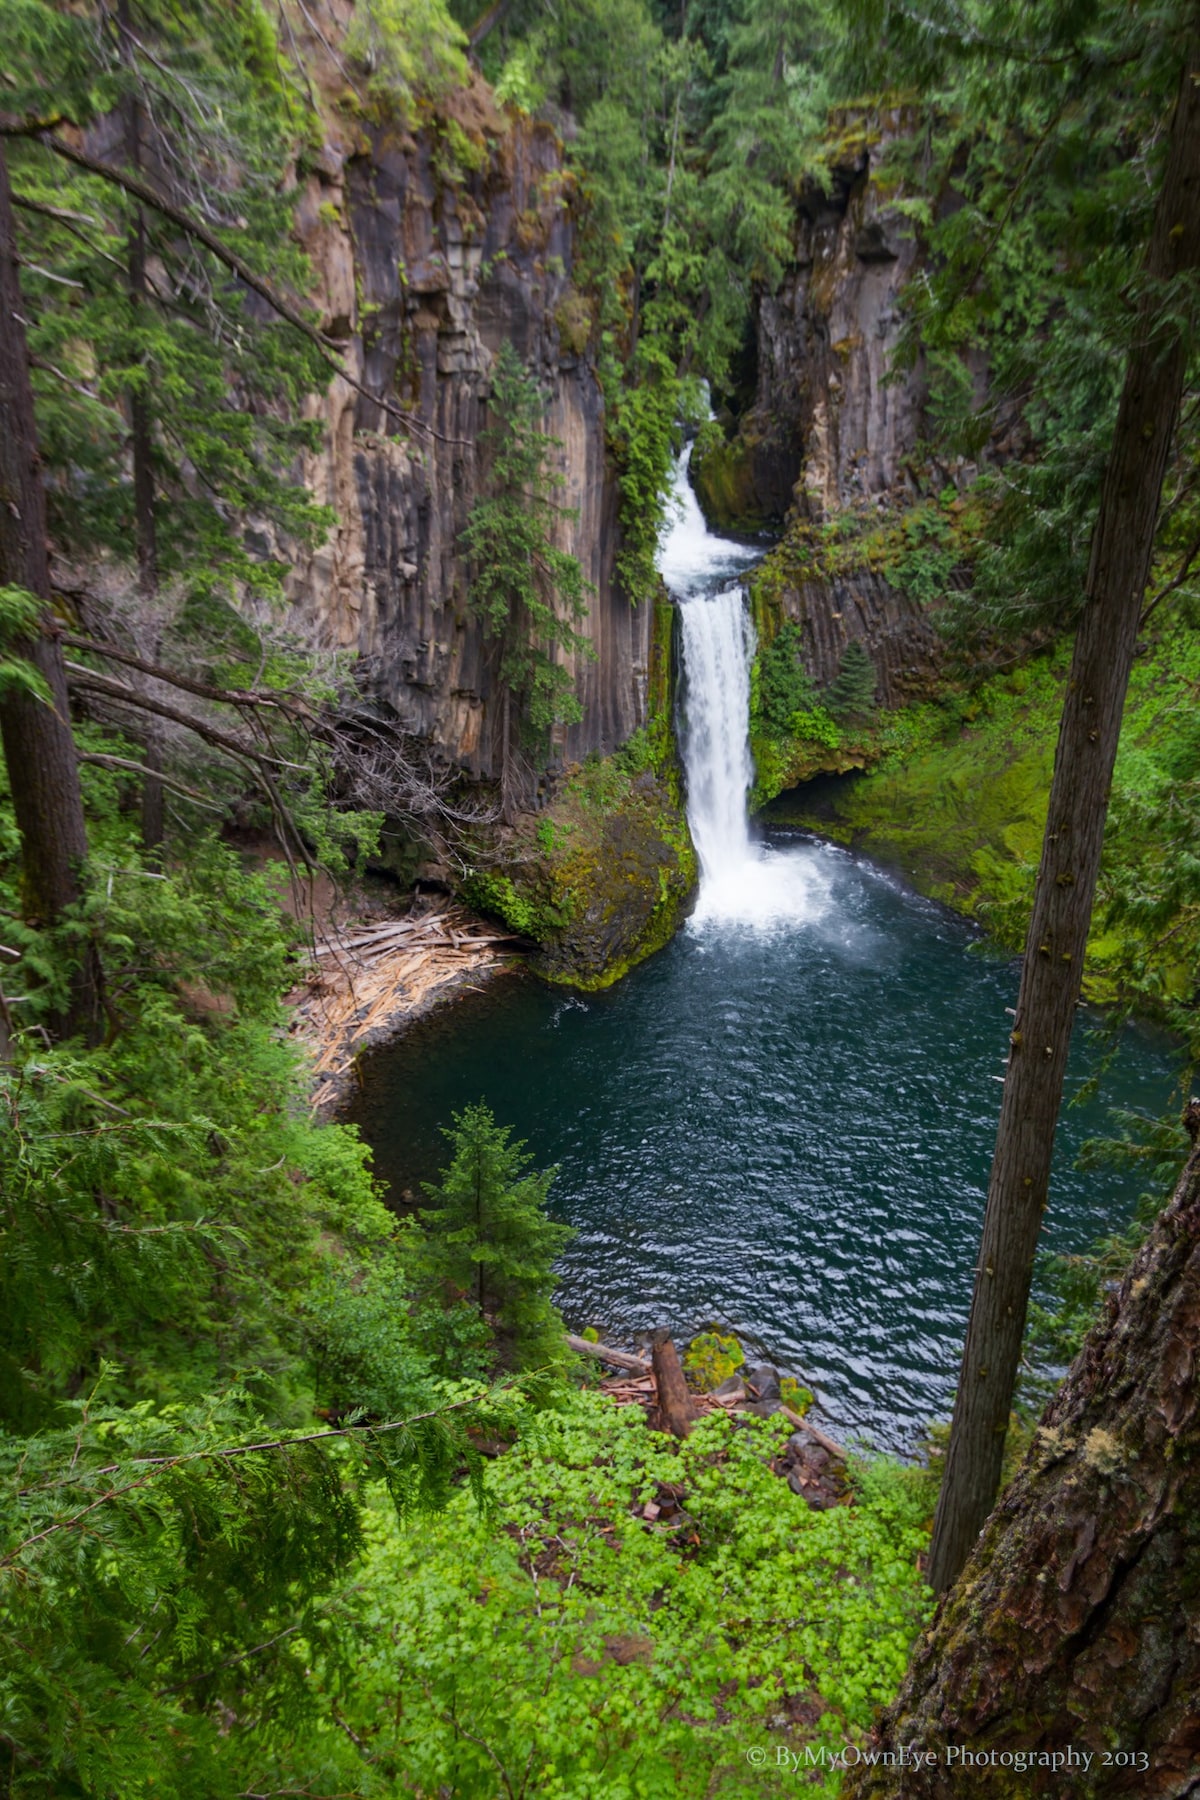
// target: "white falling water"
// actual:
[[717, 647], [742, 883]]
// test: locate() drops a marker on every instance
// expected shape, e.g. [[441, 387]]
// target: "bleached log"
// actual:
[[620, 1359]]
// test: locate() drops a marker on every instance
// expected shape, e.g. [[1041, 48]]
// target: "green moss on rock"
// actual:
[[602, 878], [723, 477], [955, 794]]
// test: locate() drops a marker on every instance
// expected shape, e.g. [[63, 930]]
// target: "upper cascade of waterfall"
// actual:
[[691, 558], [742, 883]]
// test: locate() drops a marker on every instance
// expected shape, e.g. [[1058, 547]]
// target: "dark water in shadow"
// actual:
[[784, 1128]]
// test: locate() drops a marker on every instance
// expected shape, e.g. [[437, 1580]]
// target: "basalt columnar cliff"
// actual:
[[832, 445], [427, 257], [423, 270]]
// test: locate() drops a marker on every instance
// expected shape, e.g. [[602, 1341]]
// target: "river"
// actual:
[[782, 1123]]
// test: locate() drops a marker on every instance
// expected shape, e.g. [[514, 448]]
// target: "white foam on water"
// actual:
[[768, 892], [690, 556]]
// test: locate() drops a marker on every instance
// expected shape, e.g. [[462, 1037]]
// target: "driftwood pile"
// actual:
[[366, 981], [812, 1462]]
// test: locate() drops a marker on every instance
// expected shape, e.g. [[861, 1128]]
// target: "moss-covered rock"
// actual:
[[957, 797], [723, 477], [954, 793], [602, 877]]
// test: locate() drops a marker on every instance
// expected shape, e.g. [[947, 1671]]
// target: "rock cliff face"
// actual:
[[828, 430], [423, 272], [833, 429], [896, 630]]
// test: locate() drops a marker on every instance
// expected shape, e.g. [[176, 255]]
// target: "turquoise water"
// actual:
[[784, 1127]]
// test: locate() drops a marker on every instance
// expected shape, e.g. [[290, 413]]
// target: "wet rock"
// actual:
[[762, 1383]]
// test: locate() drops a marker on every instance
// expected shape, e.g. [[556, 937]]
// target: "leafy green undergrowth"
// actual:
[[916, 549], [958, 798], [559, 1643], [794, 733]]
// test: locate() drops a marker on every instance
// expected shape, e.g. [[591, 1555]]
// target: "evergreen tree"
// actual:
[[851, 693], [186, 1262], [490, 1237], [1052, 971], [772, 101], [527, 591], [784, 686]]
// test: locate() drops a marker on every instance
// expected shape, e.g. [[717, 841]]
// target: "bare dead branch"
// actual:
[[87, 679], [126, 763]]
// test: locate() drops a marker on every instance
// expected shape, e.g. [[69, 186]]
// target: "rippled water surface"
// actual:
[[784, 1126]]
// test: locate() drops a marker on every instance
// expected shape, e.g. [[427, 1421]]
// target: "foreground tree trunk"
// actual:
[[141, 443], [39, 750], [1075, 1622], [1066, 883]]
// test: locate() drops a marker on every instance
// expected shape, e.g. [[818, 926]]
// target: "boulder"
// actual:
[[762, 1383]]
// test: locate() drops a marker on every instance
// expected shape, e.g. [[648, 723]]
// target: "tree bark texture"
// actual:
[[1075, 1621], [141, 442], [674, 1401], [39, 749], [1066, 882]]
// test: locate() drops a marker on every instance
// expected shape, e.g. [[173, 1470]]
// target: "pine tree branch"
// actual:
[[72, 222], [1181, 575], [87, 679], [195, 228], [137, 768], [237, 265], [203, 690], [156, 1465]]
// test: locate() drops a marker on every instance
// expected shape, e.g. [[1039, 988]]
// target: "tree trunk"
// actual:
[[146, 526], [1066, 883], [674, 1402], [141, 449], [508, 810], [666, 225], [39, 750], [1072, 1633], [486, 23]]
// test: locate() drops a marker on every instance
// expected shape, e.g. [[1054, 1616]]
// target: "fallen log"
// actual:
[[620, 1359], [814, 1432]]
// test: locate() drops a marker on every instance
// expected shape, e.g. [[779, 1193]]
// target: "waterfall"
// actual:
[[742, 883], [717, 648]]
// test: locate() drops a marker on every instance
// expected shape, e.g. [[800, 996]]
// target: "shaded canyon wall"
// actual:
[[836, 432], [422, 277]]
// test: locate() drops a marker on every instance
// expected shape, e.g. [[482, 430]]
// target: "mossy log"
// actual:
[[1075, 1625]]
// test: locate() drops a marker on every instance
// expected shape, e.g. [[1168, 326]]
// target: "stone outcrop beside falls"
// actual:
[[422, 273], [837, 427], [832, 426]]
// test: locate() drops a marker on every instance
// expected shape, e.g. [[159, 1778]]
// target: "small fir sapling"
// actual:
[[851, 694]]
